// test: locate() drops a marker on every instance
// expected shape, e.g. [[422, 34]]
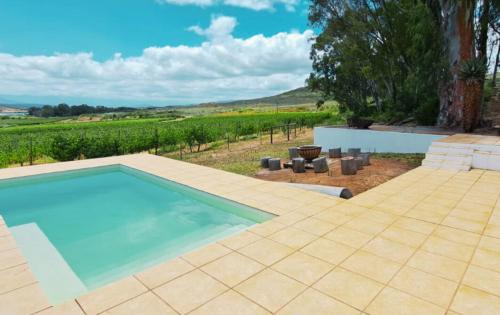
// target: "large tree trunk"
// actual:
[[458, 30], [482, 52], [484, 20], [495, 67]]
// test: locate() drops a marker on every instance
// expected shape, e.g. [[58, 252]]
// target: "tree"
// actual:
[[62, 110], [466, 25], [378, 57], [494, 23], [47, 111], [457, 25], [496, 65]]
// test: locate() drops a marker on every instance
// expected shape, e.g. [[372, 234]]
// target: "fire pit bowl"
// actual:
[[309, 152]]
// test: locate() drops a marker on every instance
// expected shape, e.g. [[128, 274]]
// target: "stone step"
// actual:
[[470, 151]]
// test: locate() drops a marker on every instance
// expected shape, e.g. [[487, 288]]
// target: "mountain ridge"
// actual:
[[302, 95], [296, 96]]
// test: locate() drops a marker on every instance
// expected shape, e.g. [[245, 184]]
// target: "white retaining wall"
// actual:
[[373, 141]]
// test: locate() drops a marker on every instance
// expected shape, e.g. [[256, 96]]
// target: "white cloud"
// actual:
[[221, 68], [256, 5], [201, 3], [220, 28]]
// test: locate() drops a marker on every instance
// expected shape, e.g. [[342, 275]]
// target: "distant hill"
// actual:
[[10, 109], [294, 97]]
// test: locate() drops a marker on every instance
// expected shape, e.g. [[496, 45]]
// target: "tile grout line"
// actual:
[[20, 287], [473, 253], [404, 265], [311, 286], [356, 250], [471, 257]]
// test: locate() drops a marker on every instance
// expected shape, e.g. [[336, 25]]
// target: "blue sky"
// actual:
[[151, 52]]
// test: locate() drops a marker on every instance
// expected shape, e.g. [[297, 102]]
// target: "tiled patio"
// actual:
[[426, 242]]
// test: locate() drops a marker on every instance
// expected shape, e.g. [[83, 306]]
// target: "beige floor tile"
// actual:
[[313, 209], [470, 301], [485, 199], [67, 308], [232, 269], [440, 266], [490, 243], [415, 225], [350, 209], [487, 259], [395, 302], [267, 228], [290, 218], [482, 279], [403, 236], [314, 226], [206, 254], [457, 235], [330, 251], [4, 231], [425, 286], [190, 291], [111, 295], [162, 273], [396, 208], [432, 207], [303, 268], [368, 199], [492, 230], [10, 258], [346, 236], [314, 302], [147, 303], [389, 249], [379, 217], [7, 242], [366, 226], [372, 266], [16, 277], [292, 237], [240, 240], [333, 217], [481, 217], [348, 287], [230, 303], [473, 206], [270, 289], [463, 224], [426, 215], [449, 249], [266, 251], [26, 300]]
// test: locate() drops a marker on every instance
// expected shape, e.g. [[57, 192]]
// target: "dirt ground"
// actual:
[[378, 172], [243, 157]]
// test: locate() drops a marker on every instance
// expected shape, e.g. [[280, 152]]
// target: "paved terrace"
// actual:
[[426, 242]]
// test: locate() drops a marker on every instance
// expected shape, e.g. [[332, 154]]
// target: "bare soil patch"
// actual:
[[378, 172]]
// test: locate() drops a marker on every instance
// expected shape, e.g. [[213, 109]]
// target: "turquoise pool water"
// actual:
[[98, 225]]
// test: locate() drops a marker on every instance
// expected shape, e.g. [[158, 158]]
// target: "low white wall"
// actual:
[[373, 141]]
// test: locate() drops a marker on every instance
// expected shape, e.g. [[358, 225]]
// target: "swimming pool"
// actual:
[[82, 229]]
